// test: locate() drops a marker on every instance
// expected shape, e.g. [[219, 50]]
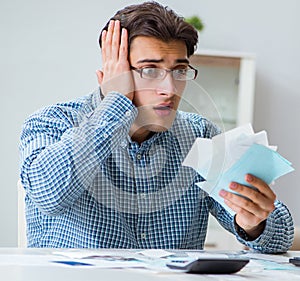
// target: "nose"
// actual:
[[167, 86]]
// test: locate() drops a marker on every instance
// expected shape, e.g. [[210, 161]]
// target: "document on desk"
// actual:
[[101, 259], [230, 156], [156, 260]]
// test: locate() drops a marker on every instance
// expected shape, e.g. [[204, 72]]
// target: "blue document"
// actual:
[[259, 161]]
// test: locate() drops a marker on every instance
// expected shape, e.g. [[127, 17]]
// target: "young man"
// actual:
[[106, 170]]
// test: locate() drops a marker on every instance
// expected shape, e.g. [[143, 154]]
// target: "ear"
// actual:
[[99, 74]]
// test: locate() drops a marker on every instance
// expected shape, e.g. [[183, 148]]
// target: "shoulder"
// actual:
[[201, 126], [73, 111]]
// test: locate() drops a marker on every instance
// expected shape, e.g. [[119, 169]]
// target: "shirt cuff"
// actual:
[[115, 107]]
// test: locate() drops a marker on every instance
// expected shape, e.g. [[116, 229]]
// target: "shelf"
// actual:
[[215, 61], [220, 58], [224, 88]]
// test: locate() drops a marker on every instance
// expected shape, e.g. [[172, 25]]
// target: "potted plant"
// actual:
[[196, 22]]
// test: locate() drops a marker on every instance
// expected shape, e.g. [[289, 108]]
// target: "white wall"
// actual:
[[49, 53]]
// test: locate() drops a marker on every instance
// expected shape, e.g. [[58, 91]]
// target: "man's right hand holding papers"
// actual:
[[238, 167]]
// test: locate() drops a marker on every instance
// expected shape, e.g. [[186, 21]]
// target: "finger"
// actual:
[[238, 209], [123, 55], [254, 195], [108, 39], [103, 40], [246, 218], [261, 186], [116, 40], [244, 204]]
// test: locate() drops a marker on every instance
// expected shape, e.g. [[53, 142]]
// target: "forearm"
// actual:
[[277, 235], [56, 175]]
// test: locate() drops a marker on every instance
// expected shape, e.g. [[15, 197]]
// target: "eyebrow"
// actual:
[[161, 60]]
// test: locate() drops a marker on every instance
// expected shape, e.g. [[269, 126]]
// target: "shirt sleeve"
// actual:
[[59, 158], [277, 236]]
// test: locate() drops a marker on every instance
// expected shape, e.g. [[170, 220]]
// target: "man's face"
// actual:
[[157, 100]]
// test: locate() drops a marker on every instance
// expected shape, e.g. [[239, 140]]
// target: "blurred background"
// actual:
[[49, 53]]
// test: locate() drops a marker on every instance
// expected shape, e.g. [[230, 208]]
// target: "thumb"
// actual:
[[99, 74]]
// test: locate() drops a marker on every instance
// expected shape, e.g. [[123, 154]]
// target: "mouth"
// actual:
[[163, 109]]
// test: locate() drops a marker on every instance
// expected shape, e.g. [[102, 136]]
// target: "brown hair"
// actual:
[[154, 20]]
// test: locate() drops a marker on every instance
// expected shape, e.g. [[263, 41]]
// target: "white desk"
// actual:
[[11, 269]]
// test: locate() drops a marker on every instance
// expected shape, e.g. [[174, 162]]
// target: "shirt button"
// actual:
[[143, 235], [139, 156], [127, 113], [143, 195], [105, 135]]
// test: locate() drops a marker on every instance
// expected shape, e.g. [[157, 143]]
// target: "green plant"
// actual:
[[196, 22]]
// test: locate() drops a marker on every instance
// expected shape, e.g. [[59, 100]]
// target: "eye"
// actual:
[[181, 71], [180, 74], [150, 72]]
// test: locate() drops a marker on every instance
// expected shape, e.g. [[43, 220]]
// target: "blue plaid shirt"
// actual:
[[88, 185]]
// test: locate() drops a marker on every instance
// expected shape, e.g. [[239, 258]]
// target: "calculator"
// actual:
[[210, 265], [295, 261]]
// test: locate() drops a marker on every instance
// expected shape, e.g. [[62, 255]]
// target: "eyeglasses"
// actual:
[[154, 73]]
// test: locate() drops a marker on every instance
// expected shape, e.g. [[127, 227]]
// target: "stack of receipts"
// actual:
[[230, 156]]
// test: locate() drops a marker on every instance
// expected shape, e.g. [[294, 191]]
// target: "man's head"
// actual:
[[159, 45], [154, 20]]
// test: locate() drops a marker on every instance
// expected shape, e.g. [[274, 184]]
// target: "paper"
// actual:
[[73, 263], [86, 254], [266, 257], [99, 259], [155, 253], [230, 156]]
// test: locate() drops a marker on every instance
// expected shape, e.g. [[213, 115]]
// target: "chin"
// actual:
[[153, 123], [159, 127]]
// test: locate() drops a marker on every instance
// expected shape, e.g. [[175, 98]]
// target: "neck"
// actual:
[[139, 134]]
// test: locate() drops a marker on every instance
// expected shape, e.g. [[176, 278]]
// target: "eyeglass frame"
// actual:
[[166, 71]]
